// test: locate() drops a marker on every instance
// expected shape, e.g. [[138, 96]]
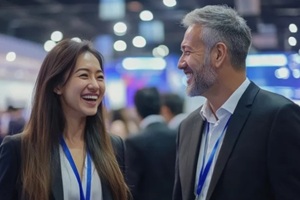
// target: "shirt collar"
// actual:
[[151, 119], [228, 107]]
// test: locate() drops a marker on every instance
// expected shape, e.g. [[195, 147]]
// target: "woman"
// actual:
[[64, 151]]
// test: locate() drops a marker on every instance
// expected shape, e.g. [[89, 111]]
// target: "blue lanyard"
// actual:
[[204, 170], [89, 171]]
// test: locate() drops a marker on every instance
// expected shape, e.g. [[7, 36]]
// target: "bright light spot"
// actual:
[[11, 56], [282, 73], [292, 41], [76, 39], [120, 28], [139, 41], [49, 44], [295, 58], [144, 63], [146, 15], [155, 52], [56, 36], [293, 28], [120, 45], [163, 49], [170, 3], [160, 51], [296, 73], [116, 99], [266, 60]]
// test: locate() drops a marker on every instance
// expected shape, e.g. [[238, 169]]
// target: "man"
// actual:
[[244, 142], [17, 121], [172, 109], [151, 153]]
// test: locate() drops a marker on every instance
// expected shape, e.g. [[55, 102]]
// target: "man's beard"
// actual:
[[204, 77]]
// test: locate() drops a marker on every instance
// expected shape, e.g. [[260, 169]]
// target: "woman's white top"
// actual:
[[70, 185]]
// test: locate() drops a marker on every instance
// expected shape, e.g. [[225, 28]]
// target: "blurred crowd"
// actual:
[[125, 121], [12, 121]]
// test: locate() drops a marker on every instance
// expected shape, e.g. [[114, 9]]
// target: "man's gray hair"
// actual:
[[221, 23]]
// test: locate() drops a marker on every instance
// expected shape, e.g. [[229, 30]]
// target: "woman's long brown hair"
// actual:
[[46, 124]]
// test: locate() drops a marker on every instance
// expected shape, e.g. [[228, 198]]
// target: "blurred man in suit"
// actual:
[[151, 153], [244, 142], [172, 106]]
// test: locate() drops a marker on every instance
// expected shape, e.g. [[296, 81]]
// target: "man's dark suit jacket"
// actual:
[[260, 155], [150, 157], [10, 162]]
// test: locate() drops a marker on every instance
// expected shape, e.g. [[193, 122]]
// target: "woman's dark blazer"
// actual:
[[10, 167]]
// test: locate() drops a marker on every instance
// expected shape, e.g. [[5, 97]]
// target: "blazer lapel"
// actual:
[[106, 192], [238, 119], [189, 156], [56, 182]]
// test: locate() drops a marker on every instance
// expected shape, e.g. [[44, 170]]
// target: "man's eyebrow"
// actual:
[[185, 47]]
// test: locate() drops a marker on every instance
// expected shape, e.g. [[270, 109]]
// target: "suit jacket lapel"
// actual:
[[107, 195], [238, 119], [56, 182], [189, 155]]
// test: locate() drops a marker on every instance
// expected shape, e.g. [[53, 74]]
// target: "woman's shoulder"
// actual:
[[117, 143], [116, 140], [119, 149]]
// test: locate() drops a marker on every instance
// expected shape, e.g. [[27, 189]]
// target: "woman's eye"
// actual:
[[100, 77], [83, 75]]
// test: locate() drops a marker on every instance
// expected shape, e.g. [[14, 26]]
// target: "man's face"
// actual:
[[195, 63]]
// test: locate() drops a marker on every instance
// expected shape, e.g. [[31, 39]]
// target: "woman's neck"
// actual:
[[74, 133]]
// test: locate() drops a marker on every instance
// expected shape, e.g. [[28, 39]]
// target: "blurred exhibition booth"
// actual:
[[20, 61]]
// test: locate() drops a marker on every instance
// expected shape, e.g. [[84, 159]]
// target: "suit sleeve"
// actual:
[[284, 153], [177, 184], [9, 168], [133, 164]]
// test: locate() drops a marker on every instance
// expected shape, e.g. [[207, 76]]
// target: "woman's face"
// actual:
[[84, 91]]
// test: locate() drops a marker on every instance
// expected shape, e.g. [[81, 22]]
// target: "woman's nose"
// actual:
[[93, 84]]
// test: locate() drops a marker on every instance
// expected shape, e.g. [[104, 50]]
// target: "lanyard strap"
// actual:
[[204, 170], [89, 171]]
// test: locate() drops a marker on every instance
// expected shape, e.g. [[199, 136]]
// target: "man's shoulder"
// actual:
[[12, 139], [191, 116]]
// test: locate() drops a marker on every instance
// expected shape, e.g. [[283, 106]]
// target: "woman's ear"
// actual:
[[57, 90]]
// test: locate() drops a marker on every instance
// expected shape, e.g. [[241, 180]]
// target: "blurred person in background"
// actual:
[[172, 106], [1, 126], [12, 121], [151, 153], [16, 122], [121, 123], [64, 151], [244, 142]]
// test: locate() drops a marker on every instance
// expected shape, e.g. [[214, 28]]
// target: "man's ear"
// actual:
[[219, 54]]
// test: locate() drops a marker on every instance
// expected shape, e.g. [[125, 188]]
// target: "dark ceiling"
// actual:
[[35, 20]]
